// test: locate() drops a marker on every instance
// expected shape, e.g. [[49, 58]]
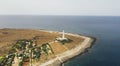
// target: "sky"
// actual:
[[60, 7]]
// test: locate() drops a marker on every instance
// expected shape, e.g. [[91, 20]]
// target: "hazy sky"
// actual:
[[60, 7]]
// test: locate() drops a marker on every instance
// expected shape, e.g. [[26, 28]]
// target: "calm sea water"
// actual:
[[106, 50]]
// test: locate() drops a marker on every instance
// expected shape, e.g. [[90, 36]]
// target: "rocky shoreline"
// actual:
[[65, 56]]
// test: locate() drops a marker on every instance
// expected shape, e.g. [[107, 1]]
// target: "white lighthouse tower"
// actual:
[[63, 36]]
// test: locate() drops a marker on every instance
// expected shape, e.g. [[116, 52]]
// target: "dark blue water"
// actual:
[[105, 51]]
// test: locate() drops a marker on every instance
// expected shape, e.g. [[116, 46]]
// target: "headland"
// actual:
[[60, 51]]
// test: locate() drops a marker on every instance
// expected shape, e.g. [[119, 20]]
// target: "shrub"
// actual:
[[66, 41], [2, 58]]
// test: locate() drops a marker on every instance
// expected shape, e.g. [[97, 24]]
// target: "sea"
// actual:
[[106, 29]]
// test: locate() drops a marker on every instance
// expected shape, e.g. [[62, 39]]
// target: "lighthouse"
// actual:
[[62, 37]]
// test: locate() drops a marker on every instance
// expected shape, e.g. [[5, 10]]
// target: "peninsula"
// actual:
[[29, 47]]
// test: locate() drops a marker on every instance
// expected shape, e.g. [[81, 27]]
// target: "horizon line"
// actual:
[[50, 15]]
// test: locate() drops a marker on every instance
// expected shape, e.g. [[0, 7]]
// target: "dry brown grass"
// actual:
[[8, 37], [58, 48]]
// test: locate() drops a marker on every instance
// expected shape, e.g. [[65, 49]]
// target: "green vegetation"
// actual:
[[46, 48], [2, 58], [66, 41], [11, 51], [22, 43], [10, 59], [6, 60], [21, 63], [26, 51]]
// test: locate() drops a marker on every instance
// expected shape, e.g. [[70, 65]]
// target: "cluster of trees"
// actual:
[[20, 45], [34, 52], [7, 60], [46, 48], [2, 60], [30, 52], [26, 51]]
